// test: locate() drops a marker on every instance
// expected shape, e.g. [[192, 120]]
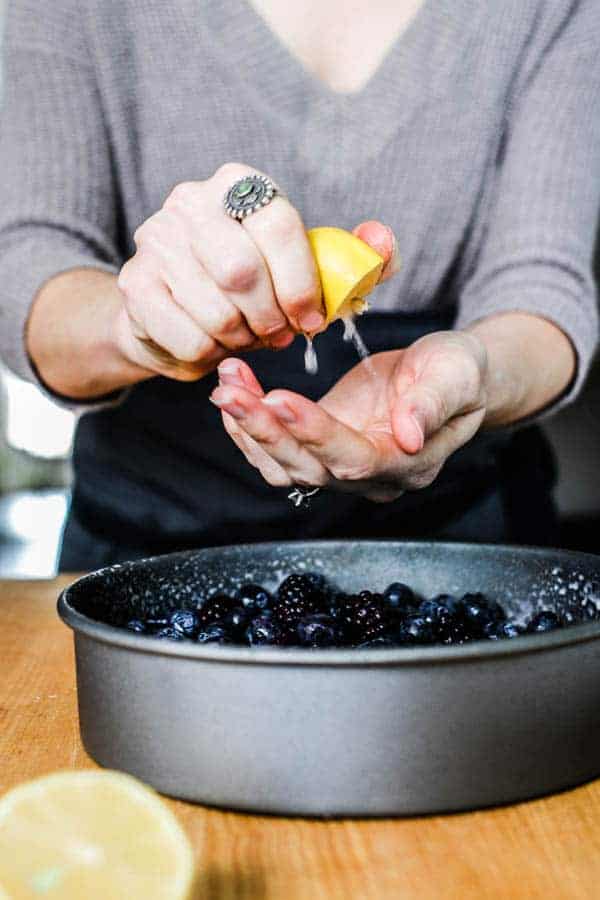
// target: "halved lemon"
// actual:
[[91, 835], [348, 268]]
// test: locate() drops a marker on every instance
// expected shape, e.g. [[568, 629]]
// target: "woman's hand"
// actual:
[[202, 285], [372, 435]]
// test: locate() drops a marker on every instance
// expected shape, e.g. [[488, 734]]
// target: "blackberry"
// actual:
[[264, 631], [214, 609], [254, 597], [296, 598], [136, 625], [318, 630], [169, 633], [186, 621], [212, 634], [363, 616], [545, 620]]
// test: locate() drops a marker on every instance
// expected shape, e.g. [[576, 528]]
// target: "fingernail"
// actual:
[[229, 365], [232, 378], [281, 409], [232, 407], [311, 321], [283, 339]]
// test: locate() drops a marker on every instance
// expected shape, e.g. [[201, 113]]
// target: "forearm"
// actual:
[[531, 363], [70, 336]]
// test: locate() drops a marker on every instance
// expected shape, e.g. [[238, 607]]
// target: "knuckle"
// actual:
[[194, 349], [345, 472], [280, 224], [181, 195], [239, 275], [231, 170], [300, 301], [229, 321]]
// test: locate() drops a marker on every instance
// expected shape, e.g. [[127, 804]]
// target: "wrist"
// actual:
[[531, 363], [70, 337]]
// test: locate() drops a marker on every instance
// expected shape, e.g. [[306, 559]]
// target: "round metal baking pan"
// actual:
[[342, 732]]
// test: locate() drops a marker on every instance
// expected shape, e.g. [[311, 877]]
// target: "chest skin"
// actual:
[[340, 42]]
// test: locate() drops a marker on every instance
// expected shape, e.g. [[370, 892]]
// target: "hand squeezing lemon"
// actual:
[[348, 268]]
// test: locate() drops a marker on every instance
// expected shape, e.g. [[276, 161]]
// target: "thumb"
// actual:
[[382, 239]]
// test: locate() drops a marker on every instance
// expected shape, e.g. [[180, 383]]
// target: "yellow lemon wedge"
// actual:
[[348, 268], [98, 835]]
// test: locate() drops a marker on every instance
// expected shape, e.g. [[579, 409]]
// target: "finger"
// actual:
[[383, 240], [271, 471], [230, 257], [259, 422], [278, 232], [345, 453], [238, 373], [157, 323], [448, 386], [195, 292]]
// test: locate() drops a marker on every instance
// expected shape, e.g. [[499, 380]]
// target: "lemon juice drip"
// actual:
[[351, 333], [311, 363]]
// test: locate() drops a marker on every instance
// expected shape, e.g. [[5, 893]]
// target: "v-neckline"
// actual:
[[317, 116], [303, 73]]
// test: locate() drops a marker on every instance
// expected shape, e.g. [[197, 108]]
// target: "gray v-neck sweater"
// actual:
[[477, 139]]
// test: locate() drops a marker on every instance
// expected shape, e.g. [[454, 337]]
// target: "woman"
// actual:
[[472, 129]]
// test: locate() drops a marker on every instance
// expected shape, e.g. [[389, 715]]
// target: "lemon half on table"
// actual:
[[348, 268], [91, 835]]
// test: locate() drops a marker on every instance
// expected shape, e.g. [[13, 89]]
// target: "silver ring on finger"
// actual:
[[249, 194], [301, 496]]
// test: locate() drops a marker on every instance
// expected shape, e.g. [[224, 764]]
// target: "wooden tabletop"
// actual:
[[547, 848]]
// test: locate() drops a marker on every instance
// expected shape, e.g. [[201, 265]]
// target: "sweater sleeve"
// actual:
[[58, 204], [537, 252]]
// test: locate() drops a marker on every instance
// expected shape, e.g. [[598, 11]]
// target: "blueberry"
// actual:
[[236, 620], [212, 634], [264, 631], [454, 605], [318, 630], [136, 625], [498, 630], [571, 615], [480, 612], [377, 644], [186, 621], [438, 615], [546, 620], [253, 596], [416, 629], [399, 596], [590, 610], [169, 633]]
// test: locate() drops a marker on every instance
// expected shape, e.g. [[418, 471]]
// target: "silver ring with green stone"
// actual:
[[248, 195]]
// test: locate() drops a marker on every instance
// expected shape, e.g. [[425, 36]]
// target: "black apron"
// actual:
[[158, 473]]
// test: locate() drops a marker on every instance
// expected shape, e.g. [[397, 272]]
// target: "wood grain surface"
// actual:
[[546, 848]]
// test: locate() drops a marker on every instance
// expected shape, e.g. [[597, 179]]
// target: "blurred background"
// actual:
[[35, 442]]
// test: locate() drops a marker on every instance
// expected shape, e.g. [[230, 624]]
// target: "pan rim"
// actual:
[[475, 651]]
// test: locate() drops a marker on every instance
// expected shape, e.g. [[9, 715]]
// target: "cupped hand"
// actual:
[[202, 285], [381, 430]]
